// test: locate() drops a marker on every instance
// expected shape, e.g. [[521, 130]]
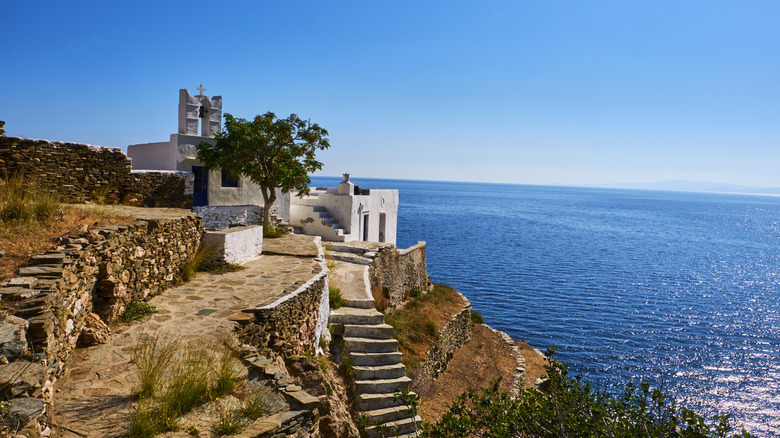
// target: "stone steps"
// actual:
[[375, 359], [379, 331], [380, 386], [370, 345], [393, 371], [379, 372], [356, 316], [386, 415], [362, 304], [394, 428]]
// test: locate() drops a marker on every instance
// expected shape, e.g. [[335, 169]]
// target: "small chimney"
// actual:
[[345, 186]]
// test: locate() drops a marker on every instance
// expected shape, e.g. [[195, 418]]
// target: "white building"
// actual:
[[343, 213]]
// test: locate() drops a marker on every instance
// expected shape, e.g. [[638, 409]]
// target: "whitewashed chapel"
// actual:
[[344, 213]]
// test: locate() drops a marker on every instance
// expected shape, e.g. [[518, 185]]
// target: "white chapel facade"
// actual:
[[343, 213]]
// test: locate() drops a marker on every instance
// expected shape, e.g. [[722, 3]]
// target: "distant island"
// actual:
[[693, 186]]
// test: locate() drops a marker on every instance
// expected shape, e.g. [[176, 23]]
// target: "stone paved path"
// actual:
[[94, 396], [350, 279]]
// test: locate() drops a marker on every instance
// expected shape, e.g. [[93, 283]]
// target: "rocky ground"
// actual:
[[484, 358]]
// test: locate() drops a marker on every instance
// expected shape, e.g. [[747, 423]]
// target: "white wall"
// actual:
[[152, 156]]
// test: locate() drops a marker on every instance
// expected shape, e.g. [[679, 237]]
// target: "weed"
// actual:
[[151, 359], [175, 378], [380, 299], [22, 201], [347, 369], [221, 268], [335, 298], [324, 365], [272, 231], [416, 292], [135, 310], [197, 261], [230, 423], [254, 408], [476, 318], [193, 431]]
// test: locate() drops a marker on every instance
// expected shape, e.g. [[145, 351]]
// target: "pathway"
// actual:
[[94, 396]]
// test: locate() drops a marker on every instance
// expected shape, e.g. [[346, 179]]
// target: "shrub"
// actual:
[[415, 292], [135, 310], [569, 407], [476, 318], [335, 298]]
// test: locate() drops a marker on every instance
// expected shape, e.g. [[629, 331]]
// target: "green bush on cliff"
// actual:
[[569, 407]]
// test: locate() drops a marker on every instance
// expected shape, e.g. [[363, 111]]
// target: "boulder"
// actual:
[[95, 331], [22, 377], [23, 410]]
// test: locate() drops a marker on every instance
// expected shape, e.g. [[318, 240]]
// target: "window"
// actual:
[[227, 181]]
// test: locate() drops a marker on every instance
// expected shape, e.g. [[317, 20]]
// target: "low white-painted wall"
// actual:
[[236, 245]]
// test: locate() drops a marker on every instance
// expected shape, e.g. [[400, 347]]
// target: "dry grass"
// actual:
[[198, 261], [475, 365], [175, 377], [418, 322], [31, 218]]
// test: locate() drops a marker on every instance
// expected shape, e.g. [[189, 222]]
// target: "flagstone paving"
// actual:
[[94, 396]]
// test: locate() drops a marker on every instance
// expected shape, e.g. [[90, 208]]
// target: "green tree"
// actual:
[[273, 153]]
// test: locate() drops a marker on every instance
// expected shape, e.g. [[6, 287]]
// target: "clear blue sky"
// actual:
[[539, 92]]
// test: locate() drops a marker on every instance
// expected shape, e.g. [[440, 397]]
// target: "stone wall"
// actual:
[[78, 173], [293, 324], [51, 303], [396, 272], [220, 217], [455, 333]]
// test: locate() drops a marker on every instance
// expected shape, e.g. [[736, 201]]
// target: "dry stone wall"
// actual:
[[455, 333], [293, 324], [52, 304], [396, 272], [78, 173]]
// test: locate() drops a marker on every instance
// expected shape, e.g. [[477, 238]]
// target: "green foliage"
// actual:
[[273, 153], [569, 407], [335, 298], [272, 232], [24, 202], [193, 431], [135, 310], [476, 318], [416, 292]]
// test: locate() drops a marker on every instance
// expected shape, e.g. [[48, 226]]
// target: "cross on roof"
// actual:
[[201, 89]]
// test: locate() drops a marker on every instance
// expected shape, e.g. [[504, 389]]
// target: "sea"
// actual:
[[681, 289]]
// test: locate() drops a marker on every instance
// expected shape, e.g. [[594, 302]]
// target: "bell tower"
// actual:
[[199, 110]]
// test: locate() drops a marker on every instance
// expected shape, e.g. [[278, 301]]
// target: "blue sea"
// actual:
[[677, 287]]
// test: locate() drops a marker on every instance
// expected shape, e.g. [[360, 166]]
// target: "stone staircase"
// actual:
[[323, 225], [378, 369]]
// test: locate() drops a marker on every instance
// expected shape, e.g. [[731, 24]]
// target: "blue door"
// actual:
[[199, 192]]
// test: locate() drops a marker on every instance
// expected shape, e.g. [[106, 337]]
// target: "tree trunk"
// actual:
[[268, 202]]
